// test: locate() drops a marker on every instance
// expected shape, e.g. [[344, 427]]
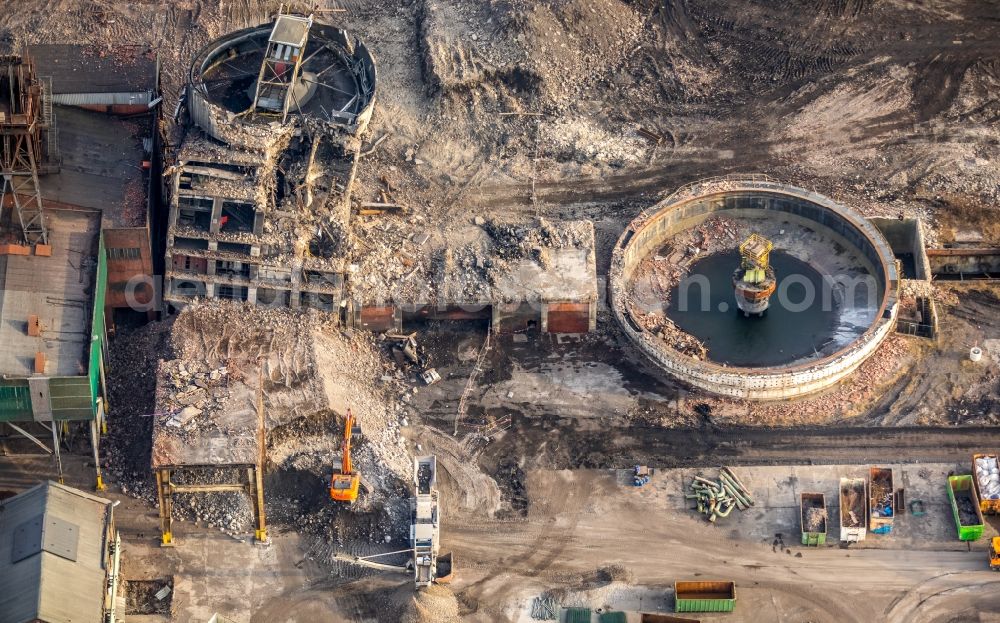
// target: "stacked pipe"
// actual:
[[717, 498]]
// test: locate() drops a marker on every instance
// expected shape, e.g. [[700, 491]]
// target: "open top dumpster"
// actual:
[[705, 596], [986, 478], [965, 508], [853, 510], [812, 514], [880, 500]]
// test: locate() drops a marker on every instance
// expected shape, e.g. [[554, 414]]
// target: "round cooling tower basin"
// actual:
[[331, 78], [680, 276]]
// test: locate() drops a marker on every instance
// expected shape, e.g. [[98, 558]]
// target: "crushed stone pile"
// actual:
[[434, 604]]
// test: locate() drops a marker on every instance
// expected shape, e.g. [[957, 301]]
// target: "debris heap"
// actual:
[[816, 519]]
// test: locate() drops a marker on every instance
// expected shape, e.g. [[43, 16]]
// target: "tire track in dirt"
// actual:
[[539, 542]]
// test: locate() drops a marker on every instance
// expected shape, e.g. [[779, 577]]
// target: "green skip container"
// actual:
[[705, 596], [961, 487], [813, 523]]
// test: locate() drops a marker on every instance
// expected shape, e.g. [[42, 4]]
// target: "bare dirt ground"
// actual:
[[588, 520], [591, 540], [594, 109], [887, 105]]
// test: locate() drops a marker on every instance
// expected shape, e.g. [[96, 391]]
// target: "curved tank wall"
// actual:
[[230, 127], [754, 195]]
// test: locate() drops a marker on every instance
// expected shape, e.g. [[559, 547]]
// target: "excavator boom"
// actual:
[[344, 485], [346, 467]]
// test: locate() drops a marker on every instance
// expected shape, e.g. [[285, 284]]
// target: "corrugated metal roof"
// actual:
[[136, 98], [44, 585], [92, 69], [291, 30]]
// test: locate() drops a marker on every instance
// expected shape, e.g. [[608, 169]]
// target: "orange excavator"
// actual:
[[344, 485]]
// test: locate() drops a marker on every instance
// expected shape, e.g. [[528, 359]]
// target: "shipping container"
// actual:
[[665, 618], [577, 615], [705, 596], [965, 507], [812, 516], [881, 510], [853, 510], [985, 478]]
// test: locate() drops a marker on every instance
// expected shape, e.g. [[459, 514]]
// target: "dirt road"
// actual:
[[581, 521]]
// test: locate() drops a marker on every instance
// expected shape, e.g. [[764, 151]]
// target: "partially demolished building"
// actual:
[[266, 183], [260, 205]]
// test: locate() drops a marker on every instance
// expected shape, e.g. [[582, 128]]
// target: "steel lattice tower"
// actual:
[[22, 125]]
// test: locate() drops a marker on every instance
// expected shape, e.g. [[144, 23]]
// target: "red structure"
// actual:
[[23, 124]]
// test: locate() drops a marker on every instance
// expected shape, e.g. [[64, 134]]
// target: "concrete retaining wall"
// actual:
[[967, 261], [690, 204], [906, 236]]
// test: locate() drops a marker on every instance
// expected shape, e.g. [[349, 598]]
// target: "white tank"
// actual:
[[975, 353]]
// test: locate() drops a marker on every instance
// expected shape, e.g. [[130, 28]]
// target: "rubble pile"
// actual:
[[520, 240], [461, 262], [349, 367], [671, 335], [532, 241], [198, 392], [434, 604], [132, 377], [815, 520], [305, 372], [228, 511]]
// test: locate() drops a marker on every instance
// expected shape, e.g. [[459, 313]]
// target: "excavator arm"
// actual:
[[346, 467], [344, 486]]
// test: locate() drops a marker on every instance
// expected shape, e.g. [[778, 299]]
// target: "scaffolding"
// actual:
[[23, 122]]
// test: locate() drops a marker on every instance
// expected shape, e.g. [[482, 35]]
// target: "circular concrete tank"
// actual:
[[336, 84], [760, 199]]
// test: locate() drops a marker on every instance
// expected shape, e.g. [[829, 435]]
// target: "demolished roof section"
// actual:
[[493, 261]]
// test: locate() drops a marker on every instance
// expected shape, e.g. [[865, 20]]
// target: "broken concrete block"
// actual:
[[190, 397], [186, 414]]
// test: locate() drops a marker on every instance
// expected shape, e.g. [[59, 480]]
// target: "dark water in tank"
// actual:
[[790, 329]]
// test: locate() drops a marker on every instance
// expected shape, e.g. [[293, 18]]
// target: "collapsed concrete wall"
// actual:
[[697, 202]]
